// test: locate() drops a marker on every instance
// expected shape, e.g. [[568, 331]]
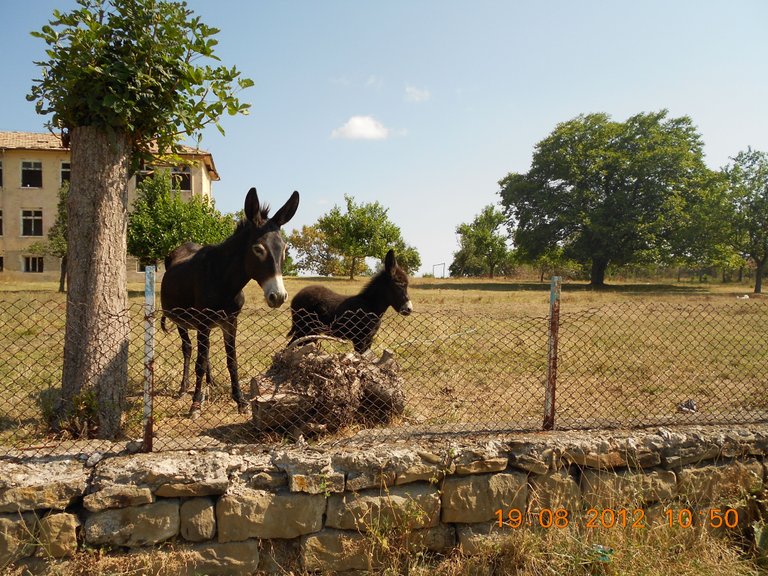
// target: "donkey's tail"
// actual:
[[162, 323]]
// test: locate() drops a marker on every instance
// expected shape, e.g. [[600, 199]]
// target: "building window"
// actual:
[[144, 172], [31, 174], [181, 177], [32, 222], [2, 263], [1, 174], [33, 264], [65, 172]]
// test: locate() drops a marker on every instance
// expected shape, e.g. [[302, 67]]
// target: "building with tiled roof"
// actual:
[[33, 167]]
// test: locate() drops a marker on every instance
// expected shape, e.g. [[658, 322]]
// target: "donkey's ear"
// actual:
[[389, 261], [287, 211], [251, 207]]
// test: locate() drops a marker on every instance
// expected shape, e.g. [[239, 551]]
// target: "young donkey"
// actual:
[[318, 310], [203, 287]]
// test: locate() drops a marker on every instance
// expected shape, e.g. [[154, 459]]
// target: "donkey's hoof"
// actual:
[[194, 412], [242, 408]]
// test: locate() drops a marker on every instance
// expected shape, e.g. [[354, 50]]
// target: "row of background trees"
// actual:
[[599, 194], [602, 193]]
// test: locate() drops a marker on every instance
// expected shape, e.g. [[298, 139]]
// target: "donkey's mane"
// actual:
[[242, 226]]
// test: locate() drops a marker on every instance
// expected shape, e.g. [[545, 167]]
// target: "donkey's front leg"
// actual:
[[230, 336], [201, 369], [186, 351]]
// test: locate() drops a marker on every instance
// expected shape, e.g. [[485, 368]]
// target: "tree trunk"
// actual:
[[597, 274], [63, 274], [96, 338], [759, 276]]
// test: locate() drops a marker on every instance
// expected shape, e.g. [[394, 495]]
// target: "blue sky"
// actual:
[[424, 105]]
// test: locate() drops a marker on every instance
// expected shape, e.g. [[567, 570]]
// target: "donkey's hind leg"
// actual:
[[201, 369], [186, 351], [230, 337]]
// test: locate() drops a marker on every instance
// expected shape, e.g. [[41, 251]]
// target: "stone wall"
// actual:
[[245, 510]]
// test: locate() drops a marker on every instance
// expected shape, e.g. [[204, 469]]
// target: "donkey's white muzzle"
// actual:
[[274, 292]]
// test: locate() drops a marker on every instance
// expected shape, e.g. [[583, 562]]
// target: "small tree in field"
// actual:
[[161, 220], [363, 231], [123, 77]]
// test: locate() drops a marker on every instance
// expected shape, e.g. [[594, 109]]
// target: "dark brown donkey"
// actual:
[[318, 310], [203, 287]]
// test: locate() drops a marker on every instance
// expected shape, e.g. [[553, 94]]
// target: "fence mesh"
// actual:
[[619, 365]]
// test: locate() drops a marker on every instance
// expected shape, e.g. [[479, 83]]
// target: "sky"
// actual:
[[424, 105]]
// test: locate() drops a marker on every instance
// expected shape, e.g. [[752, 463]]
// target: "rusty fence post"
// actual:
[[149, 356], [554, 327]]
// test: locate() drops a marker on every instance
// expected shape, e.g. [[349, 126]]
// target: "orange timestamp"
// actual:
[[615, 518]]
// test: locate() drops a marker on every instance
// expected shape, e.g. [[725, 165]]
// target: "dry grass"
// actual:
[[473, 354]]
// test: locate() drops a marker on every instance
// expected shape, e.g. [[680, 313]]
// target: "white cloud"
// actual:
[[361, 128], [413, 94], [375, 82]]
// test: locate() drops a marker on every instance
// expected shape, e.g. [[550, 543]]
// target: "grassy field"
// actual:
[[473, 356]]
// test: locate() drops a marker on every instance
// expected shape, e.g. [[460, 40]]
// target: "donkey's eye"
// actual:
[[259, 250]]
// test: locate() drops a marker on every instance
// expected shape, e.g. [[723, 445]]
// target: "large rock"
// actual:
[[58, 535], [723, 484], [262, 514], [558, 490], [337, 551], [476, 498], [309, 471], [400, 507], [137, 526], [198, 520], [170, 474], [50, 485], [117, 496], [17, 537], [627, 489]]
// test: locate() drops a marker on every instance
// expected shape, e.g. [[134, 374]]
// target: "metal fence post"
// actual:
[[149, 355], [554, 327]]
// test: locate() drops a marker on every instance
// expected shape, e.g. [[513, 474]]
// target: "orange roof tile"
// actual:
[[48, 141]]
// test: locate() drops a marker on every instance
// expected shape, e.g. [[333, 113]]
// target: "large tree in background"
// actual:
[[607, 192], [482, 245], [161, 220], [122, 77], [748, 179], [363, 231]]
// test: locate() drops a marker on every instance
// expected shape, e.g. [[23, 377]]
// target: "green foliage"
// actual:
[[748, 197], [313, 254], [608, 192], [363, 231], [161, 220], [408, 258], [57, 234], [134, 67], [482, 246]]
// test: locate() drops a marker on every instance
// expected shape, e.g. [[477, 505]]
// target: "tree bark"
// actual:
[[759, 276], [96, 337], [597, 274]]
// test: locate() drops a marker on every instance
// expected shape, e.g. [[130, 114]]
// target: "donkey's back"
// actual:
[[319, 310]]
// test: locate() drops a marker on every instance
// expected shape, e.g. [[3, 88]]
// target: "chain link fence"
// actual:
[[628, 364]]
